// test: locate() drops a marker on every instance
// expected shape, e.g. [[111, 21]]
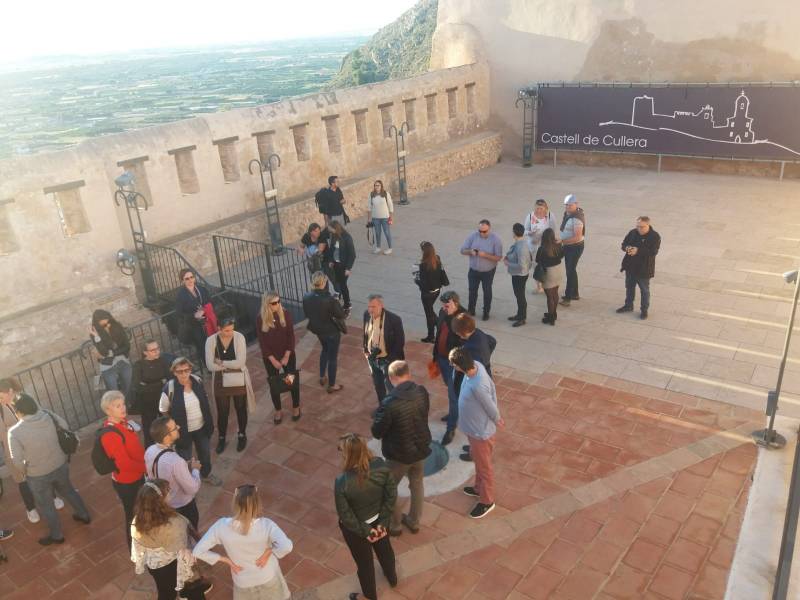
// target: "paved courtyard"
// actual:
[[625, 466]]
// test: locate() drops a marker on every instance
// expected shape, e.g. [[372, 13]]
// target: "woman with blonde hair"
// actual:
[[381, 212], [535, 224], [275, 331], [365, 495], [253, 545], [226, 358], [160, 544]]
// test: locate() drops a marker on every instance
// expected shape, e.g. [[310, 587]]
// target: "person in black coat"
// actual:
[[189, 303], [150, 374], [383, 341], [113, 347], [321, 309], [340, 255], [401, 423], [432, 278], [444, 341], [640, 246]]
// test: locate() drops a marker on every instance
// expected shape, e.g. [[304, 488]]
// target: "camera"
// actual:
[[374, 353]]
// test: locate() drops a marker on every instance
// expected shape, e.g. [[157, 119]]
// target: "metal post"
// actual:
[[769, 437], [555, 157], [135, 203], [784, 571], [659, 163], [400, 150], [270, 200], [529, 102], [783, 168]]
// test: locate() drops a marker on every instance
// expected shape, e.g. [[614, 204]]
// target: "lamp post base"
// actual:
[[770, 439]]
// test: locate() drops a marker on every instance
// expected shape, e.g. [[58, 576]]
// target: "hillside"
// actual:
[[400, 49]]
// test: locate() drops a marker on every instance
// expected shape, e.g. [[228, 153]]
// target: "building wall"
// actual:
[[195, 174], [528, 41]]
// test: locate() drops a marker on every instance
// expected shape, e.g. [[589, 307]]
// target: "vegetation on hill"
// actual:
[[400, 49]]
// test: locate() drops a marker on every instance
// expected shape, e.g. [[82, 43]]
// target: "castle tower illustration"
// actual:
[[740, 125]]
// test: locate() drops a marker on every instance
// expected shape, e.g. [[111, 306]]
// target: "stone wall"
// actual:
[[529, 41], [61, 229]]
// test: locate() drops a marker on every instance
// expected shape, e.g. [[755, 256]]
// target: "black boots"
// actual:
[[549, 318]]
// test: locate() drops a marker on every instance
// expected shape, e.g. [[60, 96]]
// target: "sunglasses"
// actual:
[[182, 371], [188, 278], [275, 303]]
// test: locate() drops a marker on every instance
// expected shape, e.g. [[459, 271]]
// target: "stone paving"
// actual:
[[600, 489]]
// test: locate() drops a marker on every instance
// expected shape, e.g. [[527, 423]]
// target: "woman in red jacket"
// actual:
[[276, 336], [122, 445]]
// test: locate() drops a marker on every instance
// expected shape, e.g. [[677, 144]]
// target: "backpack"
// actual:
[[101, 461], [67, 439], [321, 198]]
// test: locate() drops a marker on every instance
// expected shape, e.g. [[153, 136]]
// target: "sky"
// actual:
[[54, 27]]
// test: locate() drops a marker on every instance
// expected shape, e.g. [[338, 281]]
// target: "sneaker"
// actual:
[[471, 491], [46, 541], [624, 309], [33, 516], [334, 388], [481, 510], [466, 457], [376, 250], [85, 520], [6, 534], [59, 503], [387, 251], [519, 323], [213, 480], [465, 447]]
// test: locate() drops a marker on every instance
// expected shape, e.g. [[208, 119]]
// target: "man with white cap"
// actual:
[[573, 229]]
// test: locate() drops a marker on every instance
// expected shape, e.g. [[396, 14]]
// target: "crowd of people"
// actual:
[[157, 467]]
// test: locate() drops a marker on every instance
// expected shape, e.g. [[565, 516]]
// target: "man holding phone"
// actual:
[[485, 250], [639, 264]]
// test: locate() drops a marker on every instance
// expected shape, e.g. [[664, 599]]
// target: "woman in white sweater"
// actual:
[[381, 211], [226, 358], [253, 545], [535, 223]]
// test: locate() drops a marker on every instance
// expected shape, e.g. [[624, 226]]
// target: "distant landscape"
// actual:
[[50, 104]]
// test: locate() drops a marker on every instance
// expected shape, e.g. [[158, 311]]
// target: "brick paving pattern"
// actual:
[[606, 489]]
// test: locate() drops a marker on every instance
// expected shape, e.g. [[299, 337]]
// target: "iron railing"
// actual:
[[248, 268], [70, 385], [166, 264]]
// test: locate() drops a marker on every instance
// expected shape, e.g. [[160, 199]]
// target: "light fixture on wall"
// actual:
[[126, 262]]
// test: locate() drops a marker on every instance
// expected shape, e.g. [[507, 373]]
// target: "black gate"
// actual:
[[249, 269]]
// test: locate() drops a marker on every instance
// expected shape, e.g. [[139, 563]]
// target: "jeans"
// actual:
[[118, 377], [329, 356], [481, 453], [380, 377], [518, 283], [27, 496], [572, 254], [42, 488], [166, 579], [415, 472], [382, 224], [428, 300], [484, 279], [340, 283], [452, 400], [295, 390], [127, 494], [202, 446], [361, 549], [631, 282], [224, 410]]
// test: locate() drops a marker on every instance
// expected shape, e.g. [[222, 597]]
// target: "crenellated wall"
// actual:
[[60, 229]]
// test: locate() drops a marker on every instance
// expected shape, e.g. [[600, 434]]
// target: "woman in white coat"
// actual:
[[226, 358], [535, 223]]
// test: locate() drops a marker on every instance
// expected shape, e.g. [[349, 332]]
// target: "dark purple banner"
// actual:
[[736, 121]]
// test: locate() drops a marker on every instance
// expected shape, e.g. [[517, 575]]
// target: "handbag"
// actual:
[[539, 272], [210, 323], [341, 324], [445, 279], [279, 385], [232, 382], [231, 379], [67, 439]]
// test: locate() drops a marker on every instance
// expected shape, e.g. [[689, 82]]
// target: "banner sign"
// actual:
[[730, 121]]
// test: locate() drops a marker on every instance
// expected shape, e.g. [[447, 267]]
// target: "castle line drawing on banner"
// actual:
[[737, 129]]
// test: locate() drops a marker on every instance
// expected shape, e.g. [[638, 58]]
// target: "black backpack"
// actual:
[[102, 462], [321, 198]]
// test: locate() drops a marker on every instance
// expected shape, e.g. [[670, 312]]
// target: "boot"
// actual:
[[221, 445]]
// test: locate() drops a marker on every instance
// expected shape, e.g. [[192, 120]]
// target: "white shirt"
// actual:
[[244, 550], [380, 207], [194, 415]]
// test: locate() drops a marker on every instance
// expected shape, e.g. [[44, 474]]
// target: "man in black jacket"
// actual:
[[330, 202], [401, 422], [383, 341], [639, 263]]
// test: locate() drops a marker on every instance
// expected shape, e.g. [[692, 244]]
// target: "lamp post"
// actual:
[[135, 203], [529, 99], [270, 200], [400, 149], [769, 438]]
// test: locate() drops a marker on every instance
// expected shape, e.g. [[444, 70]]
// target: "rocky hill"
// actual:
[[400, 49]]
